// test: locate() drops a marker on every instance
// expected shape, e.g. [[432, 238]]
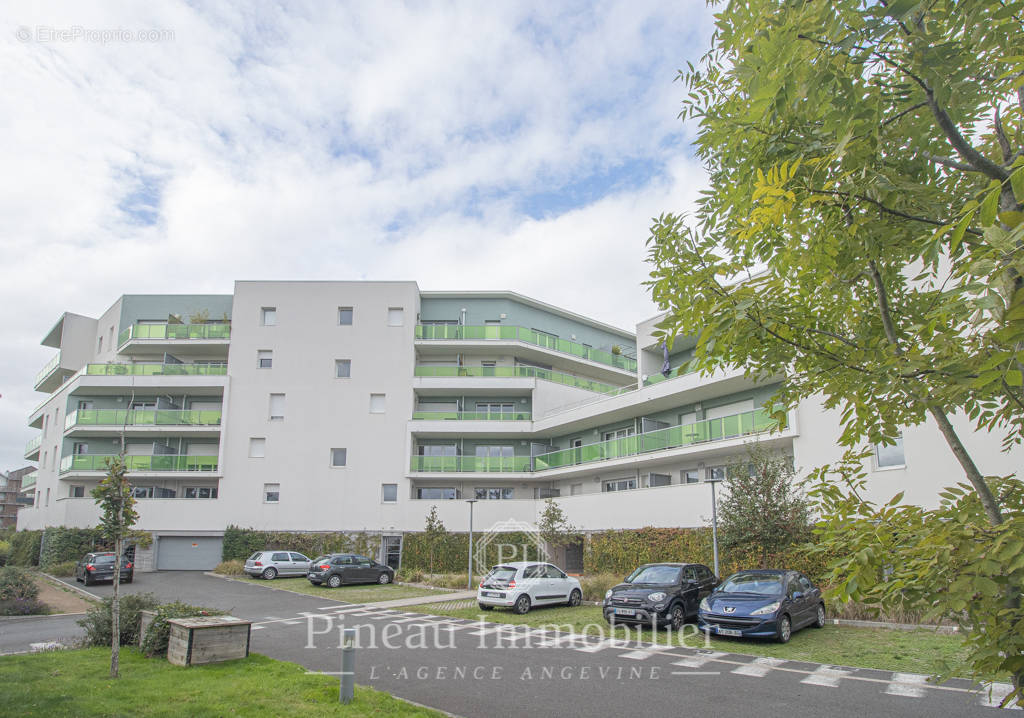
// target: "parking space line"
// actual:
[[910, 685], [827, 676], [999, 691], [759, 667], [697, 661]]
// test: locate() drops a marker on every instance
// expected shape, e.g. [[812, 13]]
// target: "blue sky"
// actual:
[[522, 146]]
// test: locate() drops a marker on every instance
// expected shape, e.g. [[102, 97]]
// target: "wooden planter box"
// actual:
[[145, 618], [207, 639]]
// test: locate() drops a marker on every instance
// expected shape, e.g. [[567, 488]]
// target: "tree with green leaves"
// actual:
[[763, 508], [554, 527], [436, 534], [863, 234], [117, 516]]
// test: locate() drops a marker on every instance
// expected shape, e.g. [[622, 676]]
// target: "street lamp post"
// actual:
[[714, 518], [469, 577]]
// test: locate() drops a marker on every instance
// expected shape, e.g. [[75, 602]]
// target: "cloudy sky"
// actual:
[[163, 148]]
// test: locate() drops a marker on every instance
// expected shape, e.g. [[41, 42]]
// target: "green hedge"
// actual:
[[25, 548], [61, 545], [451, 552], [240, 543]]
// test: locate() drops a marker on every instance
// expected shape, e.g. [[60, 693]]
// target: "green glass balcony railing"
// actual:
[[174, 332], [98, 462], [143, 417], [29, 480], [527, 336], [33, 445], [471, 416], [681, 370], [51, 366], [218, 369], [726, 427], [471, 464], [520, 371]]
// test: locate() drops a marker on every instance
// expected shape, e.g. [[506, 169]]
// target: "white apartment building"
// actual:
[[357, 406]]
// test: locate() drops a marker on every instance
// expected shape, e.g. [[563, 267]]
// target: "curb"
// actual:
[[893, 626], [80, 591]]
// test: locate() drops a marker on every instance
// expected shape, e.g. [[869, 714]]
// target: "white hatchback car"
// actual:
[[520, 585]]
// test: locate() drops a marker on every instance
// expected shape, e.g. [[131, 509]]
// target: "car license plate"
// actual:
[[625, 611], [727, 631], [491, 594]]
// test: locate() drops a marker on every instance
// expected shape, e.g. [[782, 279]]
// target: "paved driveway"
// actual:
[[479, 669]]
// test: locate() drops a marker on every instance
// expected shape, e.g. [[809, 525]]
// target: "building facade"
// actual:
[[10, 494], [357, 406]]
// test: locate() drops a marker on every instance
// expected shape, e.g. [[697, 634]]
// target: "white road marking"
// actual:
[[910, 685], [601, 645], [759, 667], [999, 691], [643, 654], [828, 676], [291, 623], [698, 660], [257, 628]]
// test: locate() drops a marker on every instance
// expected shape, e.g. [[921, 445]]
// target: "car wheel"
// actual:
[[384, 578], [575, 598], [785, 630], [485, 607], [522, 605], [334, 581], [676, 617], [270, 573], [127, 580], [86, 580], [820, 621]]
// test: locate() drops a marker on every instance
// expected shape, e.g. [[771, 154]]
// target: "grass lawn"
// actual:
[[886, 649], [77, 683], [359, 593]]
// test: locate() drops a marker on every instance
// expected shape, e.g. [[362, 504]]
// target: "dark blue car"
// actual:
[[762, 604]]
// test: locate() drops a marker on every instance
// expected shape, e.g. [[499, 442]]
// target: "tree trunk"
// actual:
[[115, 615], [988, 501]]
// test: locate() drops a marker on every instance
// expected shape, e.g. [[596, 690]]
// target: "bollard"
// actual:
[[348, 666]]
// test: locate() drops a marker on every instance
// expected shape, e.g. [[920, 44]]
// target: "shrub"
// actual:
[[23, 607], [154, 643], [5, 552], [25, 548], [17, 584], [60, 544], [233, 567], [98, 622], [241, 543], [64, 568], [414, 575], [596, 585]]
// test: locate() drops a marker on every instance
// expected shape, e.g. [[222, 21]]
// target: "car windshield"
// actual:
[[501, 573], [655, 574], [759, 583], [321, 559], [255, 556]]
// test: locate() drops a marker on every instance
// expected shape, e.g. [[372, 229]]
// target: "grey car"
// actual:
[[271, 564]]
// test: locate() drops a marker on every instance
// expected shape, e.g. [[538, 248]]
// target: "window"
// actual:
[[99, 345], [268, 316], [617, 434], [437, 493], [264, 359], [389, 493], [495, 409], [620, 485], [717, 473], [345, 316], [277, 407], [200, 492], [377, 403], [339, 457], [271, 494], [257, 447], [142, 492], [690, 476], [495, 452], [299, 557], [77, 492], [280, 556], [47, 497], [576, 489], [552, 572], [342, 368], [492, 494], [891, 456], [659, 480], [396, 316], [541, 493]]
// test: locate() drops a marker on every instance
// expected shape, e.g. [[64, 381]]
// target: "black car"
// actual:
[[339, 568], [663, 594], [99, 566], [767, 603]]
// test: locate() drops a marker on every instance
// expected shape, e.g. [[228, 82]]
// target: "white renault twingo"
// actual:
[[520, 585]]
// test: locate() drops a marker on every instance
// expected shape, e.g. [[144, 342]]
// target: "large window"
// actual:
[[339, 457], [659, 480], [77, 492], [493, 409], [495, 452], [891, 456], [617, 434], [690, 476], [620, 485], [437, 493], [200, 492], [437, 450], [494, 493]]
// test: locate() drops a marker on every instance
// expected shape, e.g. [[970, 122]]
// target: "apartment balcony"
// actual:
[[99, 422], [197, 339], [199, 379], [674, 373], [52, 376], [534, 344], [32, 448], [471, 423], [154, 369], [159, 464], [518, 372], [28, 481], [652, 446], [470, 416]]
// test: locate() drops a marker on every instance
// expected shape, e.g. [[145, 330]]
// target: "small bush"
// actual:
[[411, 576], [64, 568], [16, 584], [233, 567], [25, 548], [98, 622], [5, 552], [595, 586], [154, 643]]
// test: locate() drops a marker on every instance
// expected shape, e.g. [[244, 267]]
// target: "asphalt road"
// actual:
[[477, 669]]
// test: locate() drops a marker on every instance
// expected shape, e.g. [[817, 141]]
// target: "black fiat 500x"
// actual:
[[663, 594]]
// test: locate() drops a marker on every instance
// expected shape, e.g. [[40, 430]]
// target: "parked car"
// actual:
[[662, 594], [763, 604], [271, 564], [339, 568], [99, 566], [520, 585]]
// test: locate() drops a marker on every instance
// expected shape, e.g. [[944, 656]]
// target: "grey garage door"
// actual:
[[188, 553]]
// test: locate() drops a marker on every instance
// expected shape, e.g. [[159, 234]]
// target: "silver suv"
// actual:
[[271, 564]]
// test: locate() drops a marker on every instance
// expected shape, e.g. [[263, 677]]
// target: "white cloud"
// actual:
[[343, 141]]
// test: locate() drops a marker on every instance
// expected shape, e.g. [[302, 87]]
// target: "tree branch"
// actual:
[[887, 210], [1004, 144], [948, 162]]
